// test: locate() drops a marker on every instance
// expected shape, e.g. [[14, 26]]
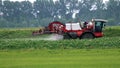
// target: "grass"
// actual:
[[68, 58], [37, 43], [112, 31], [18, 33], [23, 39], [11, 33], [19, 49]]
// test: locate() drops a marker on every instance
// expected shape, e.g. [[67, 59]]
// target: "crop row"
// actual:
[[104, 43], [27, 33]]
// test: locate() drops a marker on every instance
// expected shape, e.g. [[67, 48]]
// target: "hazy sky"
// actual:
[[34, 0], [24, 0]]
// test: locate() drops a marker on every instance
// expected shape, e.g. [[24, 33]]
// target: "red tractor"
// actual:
[[89, 30]]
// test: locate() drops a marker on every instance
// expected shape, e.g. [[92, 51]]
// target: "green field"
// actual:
[[69, 58], [19, 49]]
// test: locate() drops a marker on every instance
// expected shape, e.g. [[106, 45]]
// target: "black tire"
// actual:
[[65, 36], [87, 36]]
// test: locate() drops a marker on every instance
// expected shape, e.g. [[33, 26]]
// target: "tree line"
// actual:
[[42, 12]]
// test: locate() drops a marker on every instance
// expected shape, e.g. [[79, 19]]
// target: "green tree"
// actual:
[[26, 10], [113, 14]]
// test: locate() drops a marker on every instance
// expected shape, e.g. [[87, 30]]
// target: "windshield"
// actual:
[[98, 26], [97, 23]]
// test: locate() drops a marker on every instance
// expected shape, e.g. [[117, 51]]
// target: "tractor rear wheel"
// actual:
[[66, 36], [87, 36]]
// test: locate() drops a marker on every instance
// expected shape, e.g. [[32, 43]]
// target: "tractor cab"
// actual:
[[99, 24]]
